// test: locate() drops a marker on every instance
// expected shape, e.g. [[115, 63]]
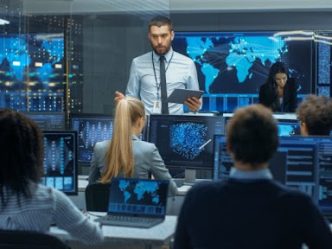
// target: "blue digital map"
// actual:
[[235, 52], [21, 50], [140, 190], [32, 72], [186, 139]]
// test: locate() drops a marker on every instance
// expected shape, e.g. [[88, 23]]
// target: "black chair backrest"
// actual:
[[96, 197], [13, 239]]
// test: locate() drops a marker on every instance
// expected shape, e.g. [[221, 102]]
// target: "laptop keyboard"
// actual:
[[130, 221]]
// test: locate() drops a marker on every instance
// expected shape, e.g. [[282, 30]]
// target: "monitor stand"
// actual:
[[189, 176]]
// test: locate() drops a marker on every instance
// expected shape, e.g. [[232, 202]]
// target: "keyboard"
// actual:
[[129, 221]]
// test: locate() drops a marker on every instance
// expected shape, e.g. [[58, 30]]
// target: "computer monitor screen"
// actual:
[[288, 125], [303, 163], [231, 66], [91, 128], [324, 61], [48, 120], [60, 161], [185, 141], [32, 72]]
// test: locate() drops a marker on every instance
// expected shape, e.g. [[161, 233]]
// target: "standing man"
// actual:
[[155, 75]]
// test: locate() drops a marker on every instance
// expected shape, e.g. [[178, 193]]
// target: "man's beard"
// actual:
[[166, 50]]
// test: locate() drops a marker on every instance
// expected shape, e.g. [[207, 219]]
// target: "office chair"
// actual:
[[13, 239], [96, 197]]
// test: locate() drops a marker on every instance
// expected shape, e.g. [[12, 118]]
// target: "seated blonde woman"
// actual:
[[125, 154]]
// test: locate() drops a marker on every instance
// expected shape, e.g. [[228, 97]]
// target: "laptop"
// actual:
[[136, 202]]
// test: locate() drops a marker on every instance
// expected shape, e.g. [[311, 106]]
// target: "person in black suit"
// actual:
[[249, 209], [279, 91]]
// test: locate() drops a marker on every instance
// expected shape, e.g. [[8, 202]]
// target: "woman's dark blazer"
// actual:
[[268, 97]]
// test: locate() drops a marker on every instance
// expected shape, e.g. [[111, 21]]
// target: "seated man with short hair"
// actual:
[[250, 209], [315, 115]]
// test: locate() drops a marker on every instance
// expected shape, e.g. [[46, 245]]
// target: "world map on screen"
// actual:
[[140, 191], [238, 53]]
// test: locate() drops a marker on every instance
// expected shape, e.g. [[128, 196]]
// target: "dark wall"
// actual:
[[111, 41], [252, 21]]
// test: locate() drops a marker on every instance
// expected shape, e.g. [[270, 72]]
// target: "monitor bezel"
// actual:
[[180, 118]]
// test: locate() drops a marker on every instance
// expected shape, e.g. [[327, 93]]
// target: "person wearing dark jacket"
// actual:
[[279, 92], [250, 210]]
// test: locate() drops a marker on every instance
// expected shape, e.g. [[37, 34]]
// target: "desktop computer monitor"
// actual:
[[185, 142], [288, 125], [60, 161], [48, 120], [303, 163], [91, 128]]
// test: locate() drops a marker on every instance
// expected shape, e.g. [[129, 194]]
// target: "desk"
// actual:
[[125, 237]]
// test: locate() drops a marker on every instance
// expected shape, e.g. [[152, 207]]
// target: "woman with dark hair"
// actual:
[[24, 203], [279, 91]]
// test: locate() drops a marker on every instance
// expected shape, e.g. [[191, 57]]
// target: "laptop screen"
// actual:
[[138, 197]]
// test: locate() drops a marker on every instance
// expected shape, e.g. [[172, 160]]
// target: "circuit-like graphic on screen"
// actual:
[[187, 139]]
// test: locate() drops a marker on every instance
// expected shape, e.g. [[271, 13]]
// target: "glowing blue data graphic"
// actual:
[[231, 66], [140, 189], [32, 72], [239, 54], [14, 53], [186, 139], [324, 71], [138, 196], [288, 129], [90, 131], [60, 168]]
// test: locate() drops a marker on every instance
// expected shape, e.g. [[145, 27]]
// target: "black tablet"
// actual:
[[181, 95]]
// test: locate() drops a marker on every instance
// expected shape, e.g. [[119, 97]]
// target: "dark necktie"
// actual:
[[163, 87]]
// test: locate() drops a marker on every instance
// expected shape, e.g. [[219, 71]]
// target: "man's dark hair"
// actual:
[[160, 21], [252, 135], [316, 113], [21, 153]]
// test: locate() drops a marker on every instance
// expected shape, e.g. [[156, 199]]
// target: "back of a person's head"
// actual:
[[129, 108], [316, 113], [119, 158], [252, 135], [21, 152], [160, 21]]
